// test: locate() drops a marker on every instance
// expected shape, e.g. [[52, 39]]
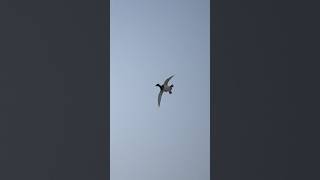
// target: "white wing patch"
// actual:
[[167, 80]]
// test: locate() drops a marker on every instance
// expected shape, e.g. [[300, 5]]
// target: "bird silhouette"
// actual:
[[164, 88]]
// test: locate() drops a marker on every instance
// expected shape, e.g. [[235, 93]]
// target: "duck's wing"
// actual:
[[159, 97], [167, 80]]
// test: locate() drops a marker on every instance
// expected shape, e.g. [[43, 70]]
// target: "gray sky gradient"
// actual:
[[150, 41]]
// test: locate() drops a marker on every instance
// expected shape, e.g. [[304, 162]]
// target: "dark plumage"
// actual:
[[164, 88]]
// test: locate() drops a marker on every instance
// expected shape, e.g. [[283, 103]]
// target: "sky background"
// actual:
[[150, 41]]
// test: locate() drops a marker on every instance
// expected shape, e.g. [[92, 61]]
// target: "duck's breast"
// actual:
[[167, 88]]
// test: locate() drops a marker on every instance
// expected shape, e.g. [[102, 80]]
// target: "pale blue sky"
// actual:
[[151, 40]]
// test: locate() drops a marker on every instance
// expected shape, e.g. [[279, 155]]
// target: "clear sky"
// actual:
[[150, 41]]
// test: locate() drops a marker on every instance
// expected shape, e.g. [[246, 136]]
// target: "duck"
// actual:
[[164, 88]]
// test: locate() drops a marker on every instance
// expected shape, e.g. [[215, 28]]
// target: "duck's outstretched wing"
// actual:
[[167, 80], [159, 97]]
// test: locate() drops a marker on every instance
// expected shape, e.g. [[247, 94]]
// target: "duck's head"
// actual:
[[159, 86]]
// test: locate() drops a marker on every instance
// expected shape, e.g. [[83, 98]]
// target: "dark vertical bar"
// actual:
[[107, 90], [104, 69], [54, 91], [266, 94], [214, 109]]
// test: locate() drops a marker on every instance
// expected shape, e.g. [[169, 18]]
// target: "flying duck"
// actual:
[[164, 88]]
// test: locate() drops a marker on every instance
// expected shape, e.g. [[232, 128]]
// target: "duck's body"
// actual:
[[167, 88], [164, 88]]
